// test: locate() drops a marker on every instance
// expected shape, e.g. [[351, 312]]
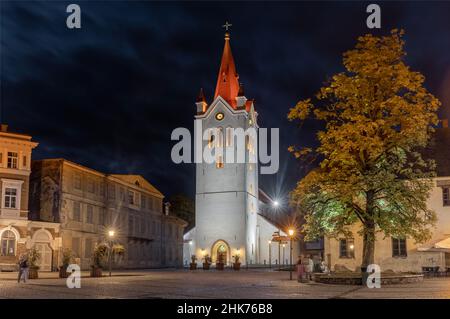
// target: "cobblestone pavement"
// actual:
[[260, 284]]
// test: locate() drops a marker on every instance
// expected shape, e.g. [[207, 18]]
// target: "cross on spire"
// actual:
[[227, 25]]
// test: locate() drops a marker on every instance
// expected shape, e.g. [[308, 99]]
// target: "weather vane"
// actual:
[[227, 25]]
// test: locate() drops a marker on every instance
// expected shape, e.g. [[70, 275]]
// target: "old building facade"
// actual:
[[88, 204], [18, 233]]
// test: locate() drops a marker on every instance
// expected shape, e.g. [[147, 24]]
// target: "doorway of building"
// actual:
[[220, 249], [45, 262]]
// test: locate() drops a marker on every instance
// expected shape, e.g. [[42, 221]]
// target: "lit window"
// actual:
[[12, 160], [219, 142], [8, 243], [346, 248], [10, 197], [446, 196], [399, 247], [219, 162], [249, 143], [210, 138]]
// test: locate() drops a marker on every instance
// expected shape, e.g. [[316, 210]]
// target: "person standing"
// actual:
[[23, 268], [300, 269], [309, 266], [323, 267]]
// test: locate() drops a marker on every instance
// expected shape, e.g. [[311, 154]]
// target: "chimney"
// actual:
[[444, 123], [4, 127]]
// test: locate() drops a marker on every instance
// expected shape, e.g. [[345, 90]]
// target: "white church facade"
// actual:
[[228, 218]]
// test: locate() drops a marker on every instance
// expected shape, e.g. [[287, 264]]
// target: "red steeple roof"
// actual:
[[227, 82]]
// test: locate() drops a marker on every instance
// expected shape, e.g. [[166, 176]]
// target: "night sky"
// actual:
[[108, 95]]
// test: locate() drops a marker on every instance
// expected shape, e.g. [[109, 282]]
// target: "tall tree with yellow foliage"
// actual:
[[378, 117]]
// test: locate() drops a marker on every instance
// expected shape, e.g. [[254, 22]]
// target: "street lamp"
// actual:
[[270, 253], [111, 234], [291, 235], [276, 203]]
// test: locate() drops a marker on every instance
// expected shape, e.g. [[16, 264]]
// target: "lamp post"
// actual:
[[111, 234], [291, 235], [270, 253]]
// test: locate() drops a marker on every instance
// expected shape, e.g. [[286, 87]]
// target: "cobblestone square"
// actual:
[[183, 284]]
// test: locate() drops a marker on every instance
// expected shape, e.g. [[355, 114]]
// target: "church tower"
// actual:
[[226, 200]]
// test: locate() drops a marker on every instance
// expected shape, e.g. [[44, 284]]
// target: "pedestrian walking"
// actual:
[[23, 268]]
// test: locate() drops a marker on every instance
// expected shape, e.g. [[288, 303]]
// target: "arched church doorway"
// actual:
[[220, 248]]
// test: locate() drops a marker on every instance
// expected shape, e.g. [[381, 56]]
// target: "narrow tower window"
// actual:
[[229, 132], [210, 139], [219, 161], [219, 137]]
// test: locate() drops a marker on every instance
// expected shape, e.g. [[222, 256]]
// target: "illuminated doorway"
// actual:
[[220, 248]]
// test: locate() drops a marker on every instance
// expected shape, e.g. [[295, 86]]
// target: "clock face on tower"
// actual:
[[219, 116]]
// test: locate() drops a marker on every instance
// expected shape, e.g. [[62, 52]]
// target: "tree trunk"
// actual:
[[368, 245], [369, 233]]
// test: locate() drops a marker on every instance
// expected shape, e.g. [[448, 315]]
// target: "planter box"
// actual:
[[236, 266], [193, 266], [206, 266], [63, 272], [96, 272], [33, 273], [220, 266]]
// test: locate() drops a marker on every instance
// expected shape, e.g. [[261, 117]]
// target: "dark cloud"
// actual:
[[109, 95]]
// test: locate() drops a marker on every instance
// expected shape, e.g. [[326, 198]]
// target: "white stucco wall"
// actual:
[[265, 232]]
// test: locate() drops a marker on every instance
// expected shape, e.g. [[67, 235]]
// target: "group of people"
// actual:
[[306, 266]]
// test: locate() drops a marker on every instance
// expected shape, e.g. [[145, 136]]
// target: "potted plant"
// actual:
[[193, 264], [220, 262], [33, 258], [206, 262], [236, 263], [67, 259], [98, 259]]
